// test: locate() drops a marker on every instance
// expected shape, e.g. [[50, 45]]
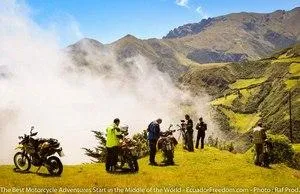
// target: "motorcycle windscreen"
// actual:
[[61, 153]]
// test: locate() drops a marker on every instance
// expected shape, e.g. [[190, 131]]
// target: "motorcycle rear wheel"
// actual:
[[133, 165], [20, 161], [55, 167]]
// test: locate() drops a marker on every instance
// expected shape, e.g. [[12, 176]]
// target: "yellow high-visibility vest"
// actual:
[[111, 135]]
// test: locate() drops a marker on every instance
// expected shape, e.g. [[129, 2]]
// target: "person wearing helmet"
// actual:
[[153, 136], [112, 142], [258, 138]]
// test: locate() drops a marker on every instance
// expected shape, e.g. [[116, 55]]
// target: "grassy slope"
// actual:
[[203, 168], [252, 88], [226, 101], [241, 122], [244, 83]]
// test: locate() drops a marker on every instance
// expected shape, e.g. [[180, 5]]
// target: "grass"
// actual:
[[294, 69], [227, 101], [203, 168], [247, 93], [292, 83], [297, 147], [244, 83], [287, 60], [241, 122]]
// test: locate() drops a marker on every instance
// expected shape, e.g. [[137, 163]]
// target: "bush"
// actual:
[[295, 163], [142, 143], [282, 150], [98, 154]]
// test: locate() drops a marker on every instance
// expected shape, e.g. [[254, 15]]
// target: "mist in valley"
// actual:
[[41, 86]]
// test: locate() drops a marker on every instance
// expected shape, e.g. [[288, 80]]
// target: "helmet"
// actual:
[[124, 129]]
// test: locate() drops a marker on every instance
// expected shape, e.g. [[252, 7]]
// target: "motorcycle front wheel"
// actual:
[[120, 162], [54, 166], [22, 161]]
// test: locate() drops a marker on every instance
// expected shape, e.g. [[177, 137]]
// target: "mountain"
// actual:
[[246, 92], [238, 36], [230, 38], [158, 52], [246, 86]]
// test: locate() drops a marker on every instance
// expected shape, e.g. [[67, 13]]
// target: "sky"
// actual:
[[110, 20]]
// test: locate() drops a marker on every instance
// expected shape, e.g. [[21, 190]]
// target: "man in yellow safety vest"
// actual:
[[112, 143]]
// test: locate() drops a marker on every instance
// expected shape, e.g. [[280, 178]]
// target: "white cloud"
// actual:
[[201, 12], [183, 3], [65, 100], [66, 28]]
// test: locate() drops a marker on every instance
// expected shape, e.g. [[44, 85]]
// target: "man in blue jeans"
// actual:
[[153, 136]]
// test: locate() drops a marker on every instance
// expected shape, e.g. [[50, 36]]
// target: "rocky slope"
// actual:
[[238, 36], [234, 37]]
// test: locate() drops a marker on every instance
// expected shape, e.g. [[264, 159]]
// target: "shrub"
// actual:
[[142, 143], [282, 150], [295, 163], [98, 154]]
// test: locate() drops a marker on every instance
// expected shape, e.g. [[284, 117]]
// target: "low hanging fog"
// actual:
[[41, 86]]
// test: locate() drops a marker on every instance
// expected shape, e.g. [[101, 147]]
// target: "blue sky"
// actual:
[[109, 20]]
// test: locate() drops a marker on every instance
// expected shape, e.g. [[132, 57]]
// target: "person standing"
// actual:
[[153, 136], [201, 127], [112, 144], [259, 137], [190, 131]]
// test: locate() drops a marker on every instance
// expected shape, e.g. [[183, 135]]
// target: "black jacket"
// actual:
[[189, 126], [153, 131], [201, 127]]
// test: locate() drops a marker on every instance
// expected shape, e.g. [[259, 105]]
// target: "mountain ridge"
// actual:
[[228, 38]]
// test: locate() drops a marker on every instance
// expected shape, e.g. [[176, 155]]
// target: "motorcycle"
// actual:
[[167, 143], [38, 152], [183, 132], [127, 153]]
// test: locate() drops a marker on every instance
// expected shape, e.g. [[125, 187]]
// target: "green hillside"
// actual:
[[203, 168], [245, 92]]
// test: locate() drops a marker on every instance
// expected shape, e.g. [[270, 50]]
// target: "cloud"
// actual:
[[183, 3], [65, 27], [201, 12], [65, 99]]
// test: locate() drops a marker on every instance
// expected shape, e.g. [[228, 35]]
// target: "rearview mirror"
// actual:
[[31, 129]]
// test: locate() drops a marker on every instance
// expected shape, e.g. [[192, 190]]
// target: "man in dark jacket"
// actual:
[[153, 135], [190, 131], [201, 127]]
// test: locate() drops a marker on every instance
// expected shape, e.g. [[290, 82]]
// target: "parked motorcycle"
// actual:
[[167, 143], [183, 133], [127, 153], [38, 152]]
